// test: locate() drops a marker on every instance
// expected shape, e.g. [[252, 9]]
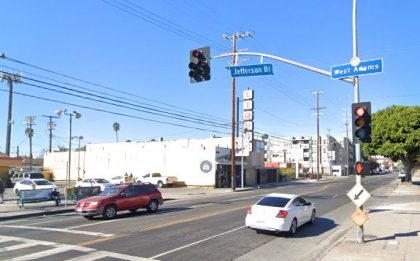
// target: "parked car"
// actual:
[[118, 180], [94, 182], [158, 180], [28, 184], [26, 175], [280, 213], [119, 198]]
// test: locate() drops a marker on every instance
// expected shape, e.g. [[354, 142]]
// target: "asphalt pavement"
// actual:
[[391, 233]]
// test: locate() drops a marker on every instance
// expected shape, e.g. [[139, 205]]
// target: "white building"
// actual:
[[304, 151], [203, 162]]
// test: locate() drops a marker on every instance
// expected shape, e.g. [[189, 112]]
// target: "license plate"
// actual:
[[260, 221]]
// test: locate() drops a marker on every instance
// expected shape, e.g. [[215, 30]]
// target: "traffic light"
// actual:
[[362, 122], [362, 168], [199, 65]]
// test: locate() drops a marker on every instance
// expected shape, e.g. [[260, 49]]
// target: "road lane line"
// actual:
[[197, 242], [99, 234], [92, 224], [99, 240], [49, 221]]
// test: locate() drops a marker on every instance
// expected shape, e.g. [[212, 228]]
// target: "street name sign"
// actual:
[[251, 70], [364, 67], [359, 195]]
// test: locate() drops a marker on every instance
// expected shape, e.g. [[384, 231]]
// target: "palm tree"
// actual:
[[30, 133], [116, 127]]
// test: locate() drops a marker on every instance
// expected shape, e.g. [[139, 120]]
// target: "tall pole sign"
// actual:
[[248, 117]]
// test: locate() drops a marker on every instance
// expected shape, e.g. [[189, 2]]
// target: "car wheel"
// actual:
[[313, 216], [88, 217], [293, 227], [160, 184], [110, 212], [133, 210], [153, 206]]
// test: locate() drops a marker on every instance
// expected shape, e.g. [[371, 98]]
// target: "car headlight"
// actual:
[[94, 203]]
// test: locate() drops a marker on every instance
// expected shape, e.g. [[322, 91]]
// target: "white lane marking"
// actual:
[[92, 224], [197, 242], [61, 230], [104, 254], [18, 246], [49, 221], [45, 253]]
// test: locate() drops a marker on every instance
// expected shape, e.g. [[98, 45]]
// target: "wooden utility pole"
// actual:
[[10, 78], [318, 142], [233, 38]]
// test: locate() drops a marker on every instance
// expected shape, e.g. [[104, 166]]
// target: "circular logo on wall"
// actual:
[[205, 166]]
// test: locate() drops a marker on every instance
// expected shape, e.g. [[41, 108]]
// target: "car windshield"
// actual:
[[273, 202], [42, 182], [101, 181], [110, 191]]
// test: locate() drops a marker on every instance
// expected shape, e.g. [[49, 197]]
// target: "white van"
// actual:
[[26, 175]]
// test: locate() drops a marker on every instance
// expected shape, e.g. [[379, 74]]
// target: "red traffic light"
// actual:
[[360, 111], [195, 53]]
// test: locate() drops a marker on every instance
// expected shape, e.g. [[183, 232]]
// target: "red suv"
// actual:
[[118, 198]]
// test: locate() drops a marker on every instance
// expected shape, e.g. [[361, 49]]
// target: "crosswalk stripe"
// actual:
[[42, 254], [18, 246]]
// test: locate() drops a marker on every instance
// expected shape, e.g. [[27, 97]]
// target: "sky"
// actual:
[[126, 61]]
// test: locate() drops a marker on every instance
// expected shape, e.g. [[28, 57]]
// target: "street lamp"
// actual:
[[76, 115]]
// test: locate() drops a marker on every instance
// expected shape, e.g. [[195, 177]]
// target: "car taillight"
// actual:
[[249, 210], [282, 214]]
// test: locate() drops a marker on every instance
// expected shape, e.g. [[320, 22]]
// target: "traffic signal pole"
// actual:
[[360, 230], [232, 154]]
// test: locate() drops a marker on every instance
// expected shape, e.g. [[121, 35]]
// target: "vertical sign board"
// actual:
[[248, 116]]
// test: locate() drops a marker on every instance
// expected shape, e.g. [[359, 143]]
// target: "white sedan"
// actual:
[[94, 182], [280, 213], [28, 184]]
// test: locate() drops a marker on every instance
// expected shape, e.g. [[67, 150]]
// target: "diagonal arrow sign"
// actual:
[[356, 196]]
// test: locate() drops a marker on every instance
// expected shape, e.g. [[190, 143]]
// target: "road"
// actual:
[[204, 228]]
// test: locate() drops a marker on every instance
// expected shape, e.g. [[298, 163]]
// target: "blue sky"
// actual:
[[140, 57]]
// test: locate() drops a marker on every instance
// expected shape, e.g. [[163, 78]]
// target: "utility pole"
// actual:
[[329, 151], [318, 142], [30, 133], [50, 128], [233, 37], [10, 78]]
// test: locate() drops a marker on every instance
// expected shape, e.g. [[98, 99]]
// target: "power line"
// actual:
[[115, 113], [104, 87]]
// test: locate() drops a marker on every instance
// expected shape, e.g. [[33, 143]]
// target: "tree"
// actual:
[[396, 135], [116, 127], [30, 133]]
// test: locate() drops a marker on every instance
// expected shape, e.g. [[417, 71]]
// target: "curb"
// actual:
[[36, 214]]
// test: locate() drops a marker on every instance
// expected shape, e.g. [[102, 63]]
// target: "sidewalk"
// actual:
[[391, 233]]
